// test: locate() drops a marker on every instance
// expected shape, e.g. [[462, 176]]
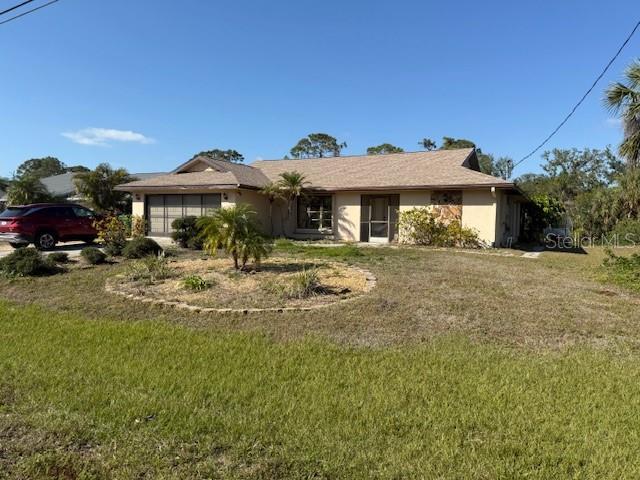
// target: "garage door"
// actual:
[[164, 209]]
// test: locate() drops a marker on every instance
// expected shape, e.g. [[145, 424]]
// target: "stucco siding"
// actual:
[[479, 212], [259, 203], [137, 205], [346, 216], [412, 199]]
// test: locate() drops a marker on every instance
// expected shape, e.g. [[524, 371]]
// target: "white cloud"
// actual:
[[103, 136], [614, 122]]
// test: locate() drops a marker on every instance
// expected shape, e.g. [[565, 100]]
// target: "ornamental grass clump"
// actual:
[[149, 269]]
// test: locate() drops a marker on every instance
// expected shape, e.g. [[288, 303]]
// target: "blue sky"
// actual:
[[161, 80]]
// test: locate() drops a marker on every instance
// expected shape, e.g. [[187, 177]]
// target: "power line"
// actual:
[[624, 44], [28, 12], [15, 6]]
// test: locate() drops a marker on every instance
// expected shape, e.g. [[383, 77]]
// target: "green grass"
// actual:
[[103, 399], [457, 365]]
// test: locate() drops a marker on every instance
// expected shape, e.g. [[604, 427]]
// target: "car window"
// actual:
[[82, 212], [14, 212], [57, 212]]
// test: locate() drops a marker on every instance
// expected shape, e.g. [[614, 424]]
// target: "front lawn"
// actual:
[[457, 365]]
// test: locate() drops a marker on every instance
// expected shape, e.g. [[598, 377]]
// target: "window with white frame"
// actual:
[[315, 212]]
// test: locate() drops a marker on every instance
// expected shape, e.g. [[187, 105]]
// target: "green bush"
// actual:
[[624, 271], [149, 269], [27, 262], [113, 233], [186, 233], [195, 282], [59, 257], [420, 226], [93, 256], [627, 232], [141, 247], [127, 221]]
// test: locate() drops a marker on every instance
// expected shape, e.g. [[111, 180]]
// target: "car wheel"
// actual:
[[18, 245], [45, 241]]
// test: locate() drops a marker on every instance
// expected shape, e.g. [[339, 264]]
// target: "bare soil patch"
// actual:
[[268, 286]]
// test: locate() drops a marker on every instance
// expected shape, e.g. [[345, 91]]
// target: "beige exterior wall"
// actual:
[[137, 205], [419, 198], [259, 203], [346, 216], [479, 212]]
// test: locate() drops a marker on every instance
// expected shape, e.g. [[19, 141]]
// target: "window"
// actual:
[[315, 212], [82, 212]]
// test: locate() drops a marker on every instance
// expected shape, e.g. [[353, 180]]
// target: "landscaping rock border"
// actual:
[[111, 287]]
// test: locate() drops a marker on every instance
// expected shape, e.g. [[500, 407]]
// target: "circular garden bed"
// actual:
[[212, 284]]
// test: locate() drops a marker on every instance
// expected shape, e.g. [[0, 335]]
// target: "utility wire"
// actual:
[[15, 6], [28, 12], [624, 44]]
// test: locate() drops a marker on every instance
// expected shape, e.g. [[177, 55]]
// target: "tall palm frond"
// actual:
[[623, 99]]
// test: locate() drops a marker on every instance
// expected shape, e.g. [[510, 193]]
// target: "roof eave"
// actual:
[[413, 187], [141, 188]]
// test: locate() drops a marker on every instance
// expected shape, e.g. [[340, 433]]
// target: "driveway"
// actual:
[[72, 248]]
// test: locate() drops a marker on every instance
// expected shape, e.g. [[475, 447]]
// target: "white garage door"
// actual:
[[164, 209]]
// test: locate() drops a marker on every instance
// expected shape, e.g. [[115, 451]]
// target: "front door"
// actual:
[[379, 219]]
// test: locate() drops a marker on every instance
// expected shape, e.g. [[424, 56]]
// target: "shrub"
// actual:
[[195, 282], [93, 256], [126, 221], [113, 233], [627, 232], [419, 226], [186, 233], [623, 270], [27, 262], [149, 269], [138, 226], [59, 257], [141, 247]]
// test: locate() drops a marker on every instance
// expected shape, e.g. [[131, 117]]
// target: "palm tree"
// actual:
[[253, 245], [292, 186], [624, 100], [25, 190], [235, 229], [273, 192]]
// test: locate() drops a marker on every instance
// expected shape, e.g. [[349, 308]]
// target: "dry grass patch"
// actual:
[[274, 284]]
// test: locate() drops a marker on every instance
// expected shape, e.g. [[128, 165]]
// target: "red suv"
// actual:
[[45, 224]]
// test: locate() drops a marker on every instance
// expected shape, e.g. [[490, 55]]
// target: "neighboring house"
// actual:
[[3, 199], [62, 186], [351, 198]]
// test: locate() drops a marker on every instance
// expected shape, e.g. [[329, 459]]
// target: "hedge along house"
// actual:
[[354, 198]]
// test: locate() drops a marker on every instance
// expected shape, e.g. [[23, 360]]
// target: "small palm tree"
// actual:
[[292, 186], [235, 229], [624, 100], [273, 192], [253, 245], [27, 189]]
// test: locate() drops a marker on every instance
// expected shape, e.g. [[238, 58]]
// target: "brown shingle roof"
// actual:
[[220, 174], [436, 169]]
